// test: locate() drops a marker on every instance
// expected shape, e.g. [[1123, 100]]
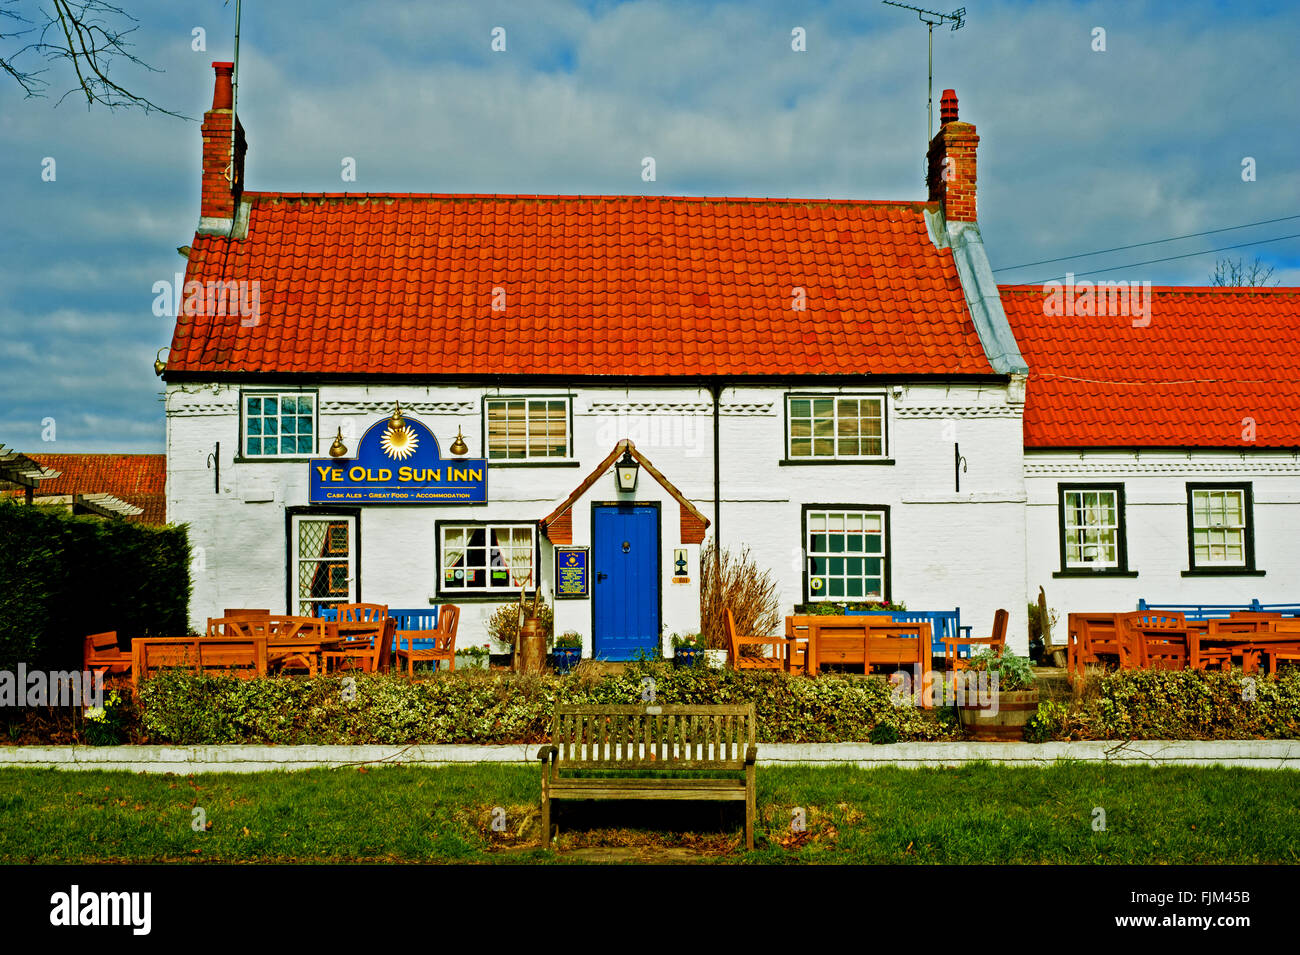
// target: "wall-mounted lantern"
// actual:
[[625, 471]]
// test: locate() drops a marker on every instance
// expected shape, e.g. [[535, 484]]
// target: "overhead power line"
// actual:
[[1138, 245], [1168, 258]]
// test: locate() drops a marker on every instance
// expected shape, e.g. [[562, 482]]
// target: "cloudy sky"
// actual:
[[1081, 149]]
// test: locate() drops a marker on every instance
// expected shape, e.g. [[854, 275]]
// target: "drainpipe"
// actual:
[[716, 389]]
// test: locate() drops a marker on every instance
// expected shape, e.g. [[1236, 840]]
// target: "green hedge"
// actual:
[[483, 707], [62, 577], [1178, 704], [487, 707]]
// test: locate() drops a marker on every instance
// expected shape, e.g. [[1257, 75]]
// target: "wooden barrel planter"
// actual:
[[532, 646], [1015, 707]]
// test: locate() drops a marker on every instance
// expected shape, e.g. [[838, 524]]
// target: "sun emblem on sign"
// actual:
[[399, 443]]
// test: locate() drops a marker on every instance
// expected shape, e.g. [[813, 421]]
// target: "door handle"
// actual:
[[600, 576]]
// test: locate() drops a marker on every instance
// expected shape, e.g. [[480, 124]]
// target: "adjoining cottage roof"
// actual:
[[586, 285], [1213, 368], [139, 479]]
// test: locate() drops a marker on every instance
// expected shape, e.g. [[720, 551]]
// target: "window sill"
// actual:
[[476, 597], [1224, 572], [1095, 573], [795, 462], [270, 459], [497, 463]]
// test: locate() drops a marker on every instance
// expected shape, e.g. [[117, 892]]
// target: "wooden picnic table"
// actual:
[[288, 638], [870, 641]]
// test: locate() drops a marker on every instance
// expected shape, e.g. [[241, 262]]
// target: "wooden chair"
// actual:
[[1155, 639], [370, 654], [101, 654], [1289, 652], [362, 613], [766, 661], [440, 643], [239, 613], [997, 642]]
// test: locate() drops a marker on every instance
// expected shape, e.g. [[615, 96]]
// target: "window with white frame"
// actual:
[[835, 426], [485, 558], [523, 429], [846, 552], [1220, 527], [1091, 528], [279, 424]]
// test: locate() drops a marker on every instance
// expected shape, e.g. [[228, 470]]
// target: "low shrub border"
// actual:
[[486, 707], [183, 708]]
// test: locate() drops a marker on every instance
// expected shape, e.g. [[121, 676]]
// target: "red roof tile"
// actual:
[[1210, 362], [139, 479], [592, 285]]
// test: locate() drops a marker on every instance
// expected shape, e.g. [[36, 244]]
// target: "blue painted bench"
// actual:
[[1220, 611], [1202, 611], [423, 618], [943, 623]]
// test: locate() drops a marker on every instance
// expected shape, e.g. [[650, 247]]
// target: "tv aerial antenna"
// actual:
[[932, 19]]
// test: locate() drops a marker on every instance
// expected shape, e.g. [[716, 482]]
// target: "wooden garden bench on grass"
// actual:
[[629, 742]]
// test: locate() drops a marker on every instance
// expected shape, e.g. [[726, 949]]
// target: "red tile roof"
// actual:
[[593, 285], [139, 479], [1209, 359]]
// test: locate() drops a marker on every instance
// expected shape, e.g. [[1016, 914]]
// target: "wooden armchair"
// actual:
[[1153, 638], [997, 642], [101, 654], [766, 661], [1278, 652], [438, 644], [369, 654]]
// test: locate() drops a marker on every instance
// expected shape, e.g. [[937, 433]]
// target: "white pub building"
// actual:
[[417, 399]]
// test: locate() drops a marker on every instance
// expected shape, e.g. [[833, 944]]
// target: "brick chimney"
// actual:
[[951, 175], [222, 181]]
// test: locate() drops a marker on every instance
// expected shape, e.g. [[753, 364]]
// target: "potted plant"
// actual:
[[686, 649], [473, 657], [567, 651], [994, 698]]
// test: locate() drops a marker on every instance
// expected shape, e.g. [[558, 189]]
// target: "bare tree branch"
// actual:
[[89, 36], [1234, 273]]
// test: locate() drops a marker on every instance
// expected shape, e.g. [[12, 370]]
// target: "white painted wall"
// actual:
[[1156, 510], [947, 549]]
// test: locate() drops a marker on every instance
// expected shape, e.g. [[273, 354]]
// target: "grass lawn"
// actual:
[[976, 814]]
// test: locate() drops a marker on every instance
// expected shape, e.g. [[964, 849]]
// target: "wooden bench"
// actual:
[[689, 741], [244, 656]]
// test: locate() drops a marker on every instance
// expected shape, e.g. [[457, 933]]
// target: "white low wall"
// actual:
[[1258, 754]]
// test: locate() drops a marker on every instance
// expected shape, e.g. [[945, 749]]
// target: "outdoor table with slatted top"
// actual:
[[870, 641]]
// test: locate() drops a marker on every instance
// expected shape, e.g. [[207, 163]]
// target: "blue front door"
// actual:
[[625, 570]]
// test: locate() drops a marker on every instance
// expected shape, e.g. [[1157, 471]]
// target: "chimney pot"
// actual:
[[223, 96], [948, 107], [951, 159]]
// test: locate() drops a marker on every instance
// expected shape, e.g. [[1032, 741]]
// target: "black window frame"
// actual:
[[570, 460], [885, 437], [887, 582], [1121, 533], [467, 595], [241, 454], [1248, 507]]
